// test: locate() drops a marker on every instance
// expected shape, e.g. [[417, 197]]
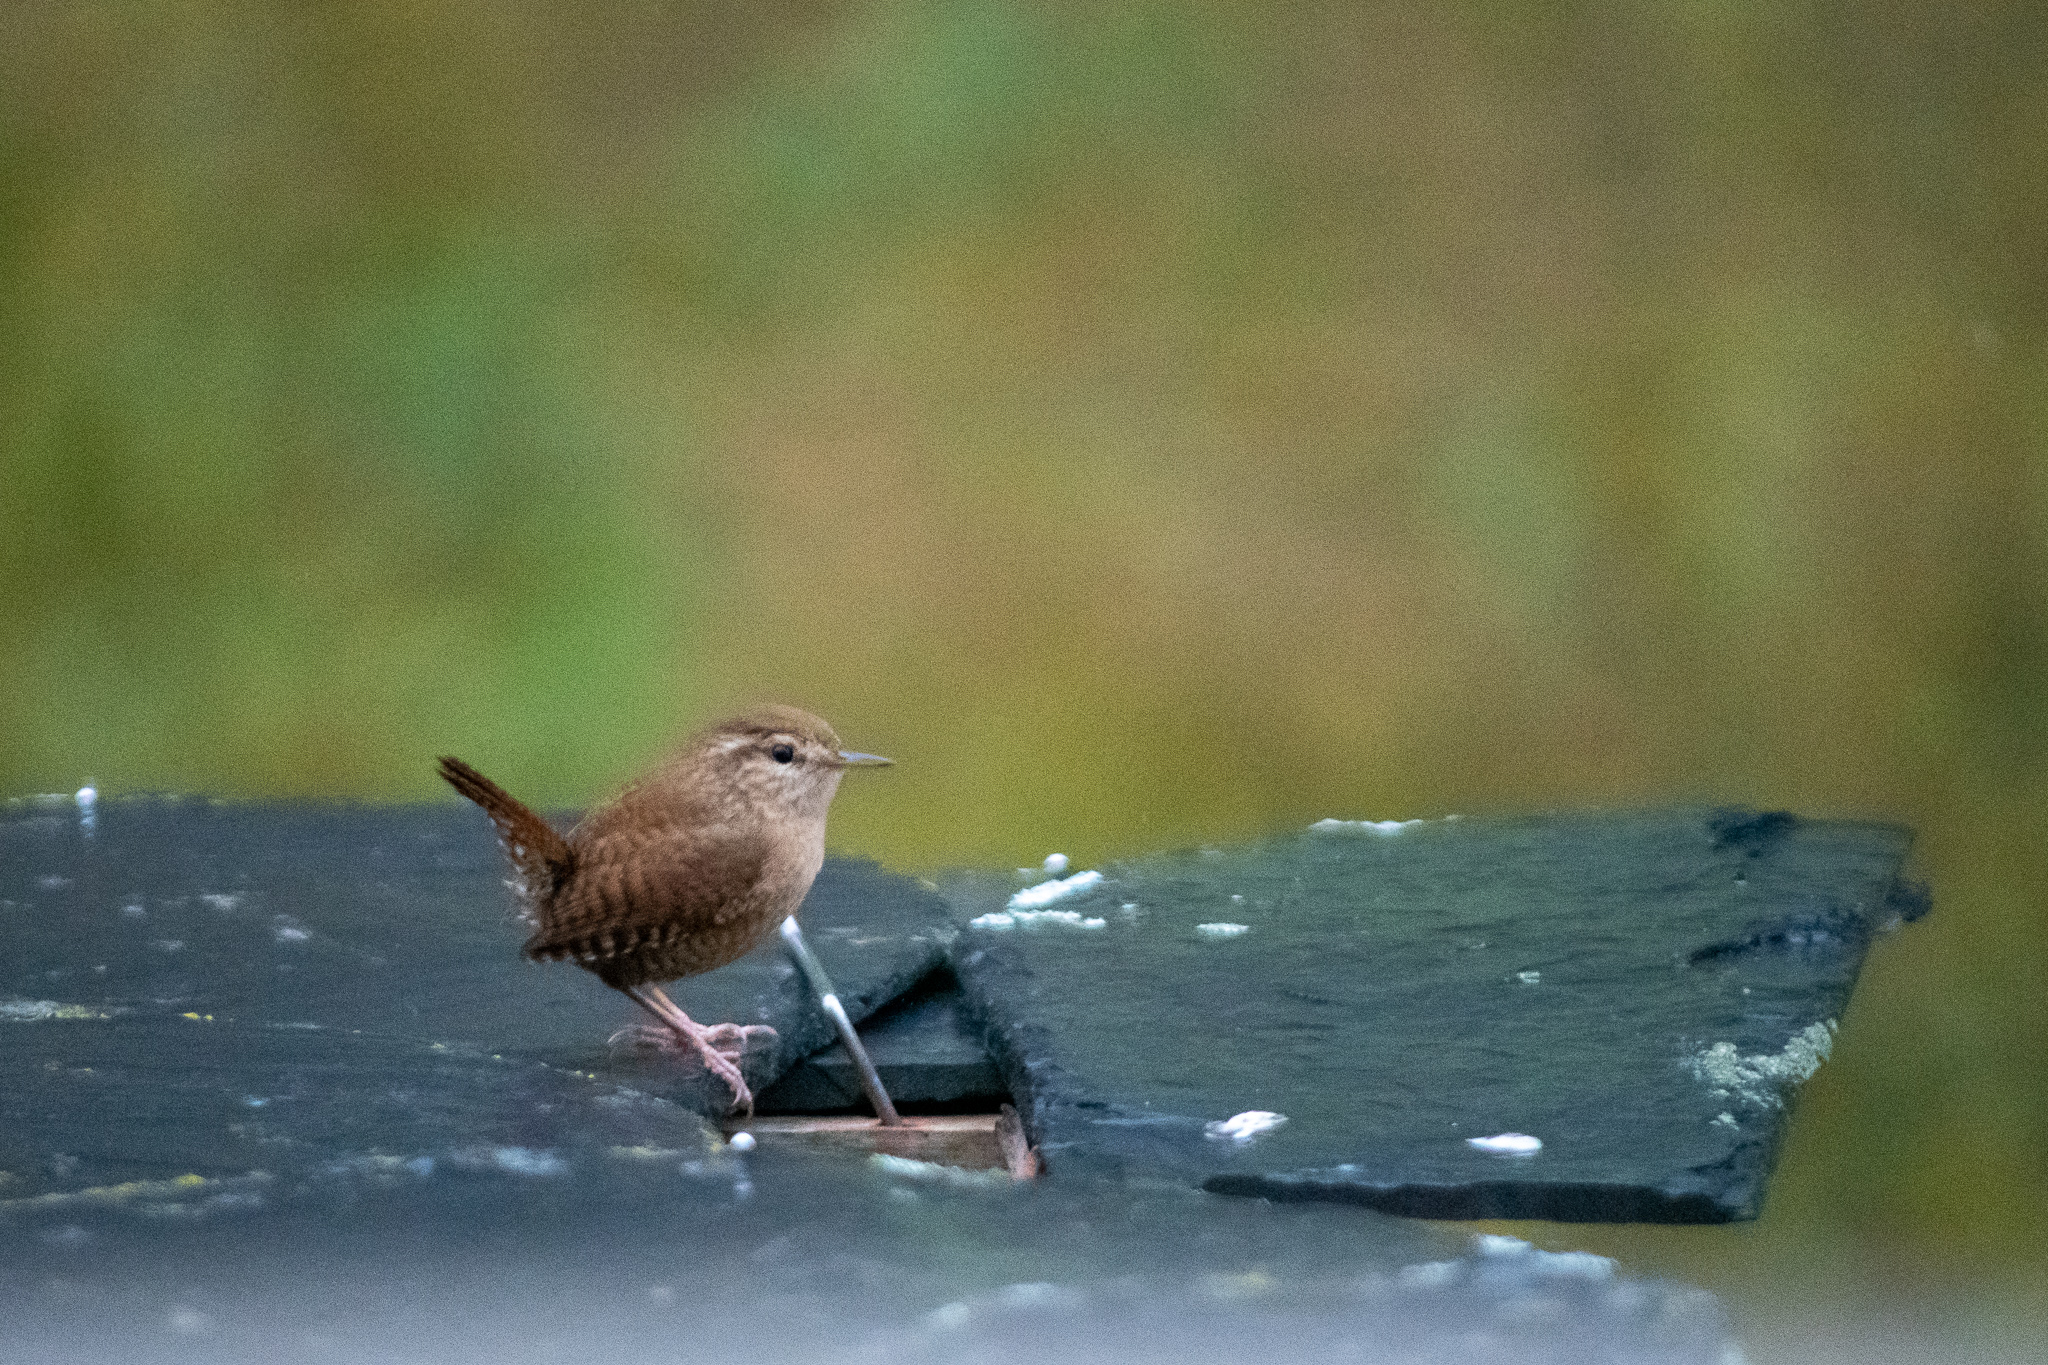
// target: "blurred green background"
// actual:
[[1150, 423]]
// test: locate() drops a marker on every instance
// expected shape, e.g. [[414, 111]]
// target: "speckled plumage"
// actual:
[[688, 868]]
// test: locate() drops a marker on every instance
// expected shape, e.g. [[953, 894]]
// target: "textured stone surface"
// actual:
[[712, 1256], [302, 944], [1642, 993], [276, 1087]]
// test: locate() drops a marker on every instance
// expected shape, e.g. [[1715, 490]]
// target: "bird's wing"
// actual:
[[682, 880]]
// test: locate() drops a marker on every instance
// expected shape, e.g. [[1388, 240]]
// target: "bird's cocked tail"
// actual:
[[542, 857]]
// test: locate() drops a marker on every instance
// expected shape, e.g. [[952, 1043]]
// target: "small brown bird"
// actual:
[[686, 870]]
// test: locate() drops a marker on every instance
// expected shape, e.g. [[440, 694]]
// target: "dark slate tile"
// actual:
[[928, 1056], [783, 1256], [302, 1102], [373, 940], [1643, 993]]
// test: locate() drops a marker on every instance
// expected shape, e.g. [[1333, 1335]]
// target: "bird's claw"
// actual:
[[645, 1038], [736, 1040], [719, 1049]]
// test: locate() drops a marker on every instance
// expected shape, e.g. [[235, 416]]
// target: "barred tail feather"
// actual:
[[541, 856]]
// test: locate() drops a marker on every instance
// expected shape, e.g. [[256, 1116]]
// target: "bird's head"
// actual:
[[780, 757]]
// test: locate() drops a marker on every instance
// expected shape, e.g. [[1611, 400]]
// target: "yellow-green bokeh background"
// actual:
[[1150, 423]]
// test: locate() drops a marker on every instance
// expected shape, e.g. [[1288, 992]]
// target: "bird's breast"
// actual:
[[636, 920]]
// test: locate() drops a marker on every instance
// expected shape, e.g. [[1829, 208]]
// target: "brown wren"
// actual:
[[685, 870]]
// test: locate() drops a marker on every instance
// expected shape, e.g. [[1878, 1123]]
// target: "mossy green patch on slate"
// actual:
[[1640, 992]]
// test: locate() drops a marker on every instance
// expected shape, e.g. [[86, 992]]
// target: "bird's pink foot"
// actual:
[[732, 1041], [722, 1067], [649, 1038], [688, 1036], [737, 1040]]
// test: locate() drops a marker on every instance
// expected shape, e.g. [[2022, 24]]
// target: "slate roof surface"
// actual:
[[1642, 993]]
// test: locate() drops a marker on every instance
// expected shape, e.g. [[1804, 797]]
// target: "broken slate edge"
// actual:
[[927, 1056], [1476, 1199], [1585, 1018], [970, 1141]]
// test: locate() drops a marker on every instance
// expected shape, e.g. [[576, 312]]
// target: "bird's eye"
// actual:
[[783, 753]]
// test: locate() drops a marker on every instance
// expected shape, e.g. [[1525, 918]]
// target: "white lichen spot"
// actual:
[[1724, 1119], [1222, 930], [1045, 893], [221, 900], [1365, 826], [1578, 1265], [1761, 1079], [291, 933], [526, 1161], [36, 1011], [1506, 1144], [1012, 919], [1245, 1127], [948, 1316], [1529, 978]]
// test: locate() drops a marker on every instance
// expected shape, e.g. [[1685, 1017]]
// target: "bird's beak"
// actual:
[[864, 760]]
